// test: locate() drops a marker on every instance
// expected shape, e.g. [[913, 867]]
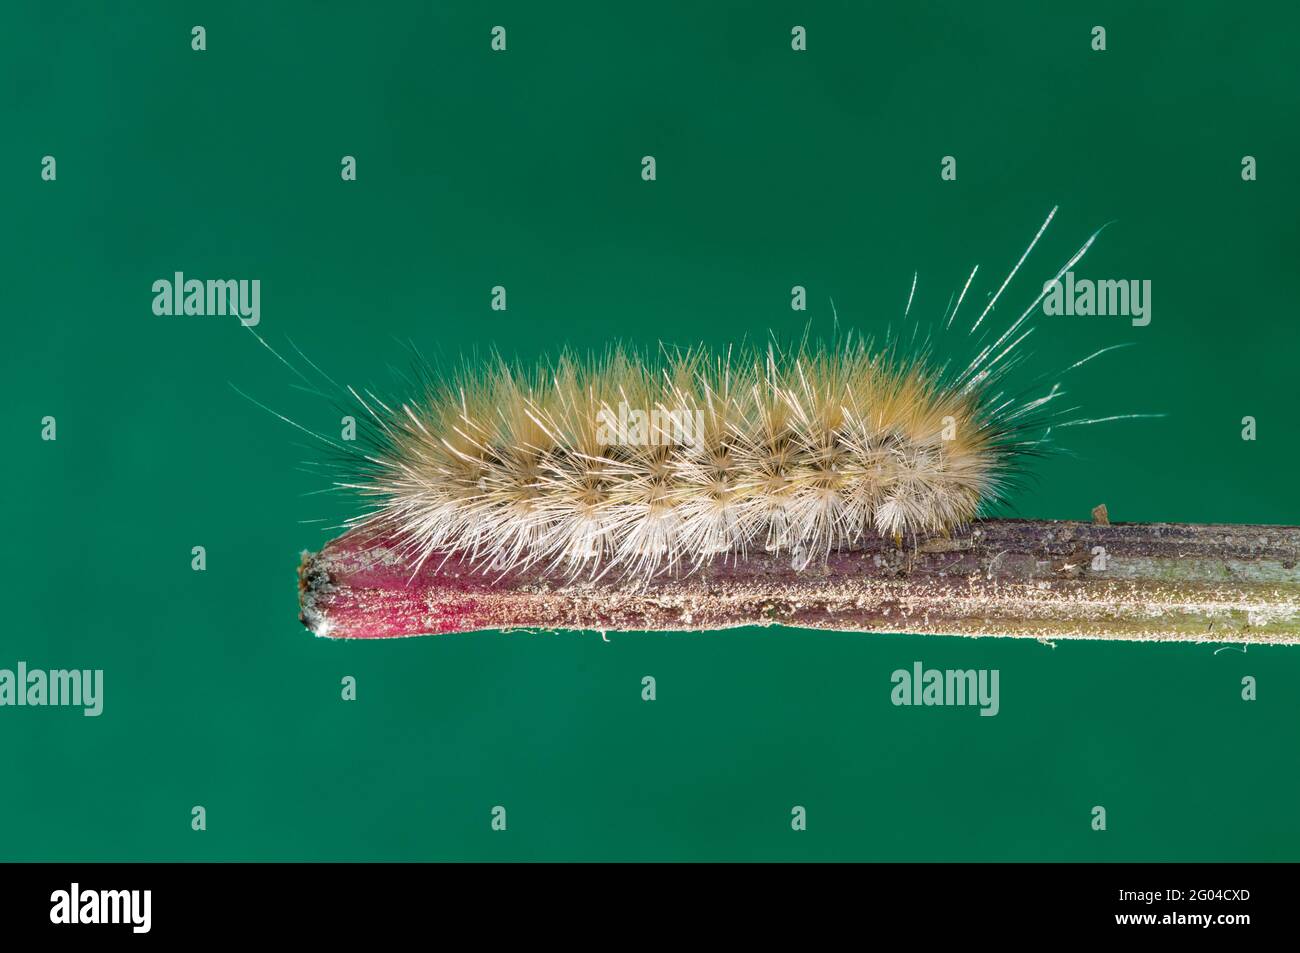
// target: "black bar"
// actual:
[[334, 902]]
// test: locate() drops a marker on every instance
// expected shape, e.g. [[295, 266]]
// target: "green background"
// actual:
[[775, 168]]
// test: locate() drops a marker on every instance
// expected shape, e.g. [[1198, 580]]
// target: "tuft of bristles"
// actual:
[[619, 464], [624, 465]]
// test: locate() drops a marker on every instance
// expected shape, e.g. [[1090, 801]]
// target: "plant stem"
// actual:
[[1022, 578]]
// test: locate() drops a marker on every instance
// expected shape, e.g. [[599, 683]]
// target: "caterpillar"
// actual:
[[630, 466], [619, 465]]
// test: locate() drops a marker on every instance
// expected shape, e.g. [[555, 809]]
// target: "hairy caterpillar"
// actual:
[[615, 465], [626, 466]]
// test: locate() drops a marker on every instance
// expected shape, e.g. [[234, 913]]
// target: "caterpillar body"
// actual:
[[627, 466], [622, 465]]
